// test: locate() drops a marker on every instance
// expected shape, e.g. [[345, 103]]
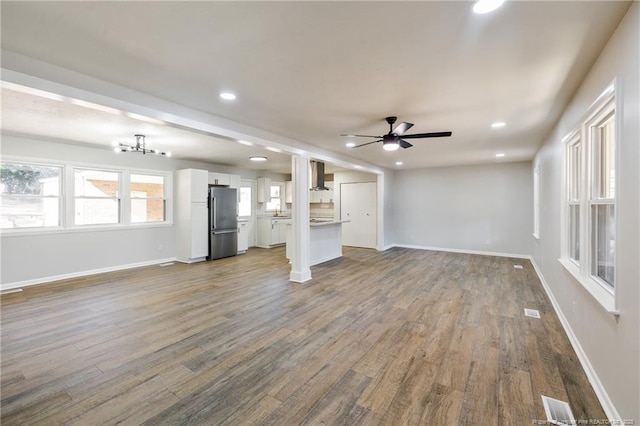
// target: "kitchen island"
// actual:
[[325, 240]]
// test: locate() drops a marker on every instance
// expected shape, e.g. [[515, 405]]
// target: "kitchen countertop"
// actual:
[[327, 223]]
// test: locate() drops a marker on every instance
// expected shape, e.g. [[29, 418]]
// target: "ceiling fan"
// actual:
[[396, 137]]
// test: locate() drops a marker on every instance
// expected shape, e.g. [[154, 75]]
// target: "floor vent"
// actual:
[[531, 313], [558, 412], [517, 266], [11, 290], [167, 264]]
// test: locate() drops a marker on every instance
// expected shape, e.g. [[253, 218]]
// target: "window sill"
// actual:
[[20, 232], [600, 294]]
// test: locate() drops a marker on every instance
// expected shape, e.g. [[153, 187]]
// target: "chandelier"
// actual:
[[140, 146]]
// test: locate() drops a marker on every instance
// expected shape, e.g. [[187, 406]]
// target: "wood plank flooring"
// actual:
[[397, 337]]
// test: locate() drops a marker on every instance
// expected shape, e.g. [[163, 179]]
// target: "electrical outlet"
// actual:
[[573, 306], [160, 247]]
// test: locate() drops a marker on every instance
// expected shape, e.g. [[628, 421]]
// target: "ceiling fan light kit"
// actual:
[[140, 147], [396, 137]]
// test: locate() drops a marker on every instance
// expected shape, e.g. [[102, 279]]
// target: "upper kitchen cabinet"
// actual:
[[194, 184], [264, 190], [218, 179]]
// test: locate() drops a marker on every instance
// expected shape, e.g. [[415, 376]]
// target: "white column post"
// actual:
[[300, 270]]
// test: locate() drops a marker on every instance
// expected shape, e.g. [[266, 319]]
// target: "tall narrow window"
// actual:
[[30, 195], [148, 202], [97, 197], [536, 202], [589, 222], [574, 176], [602, 200]]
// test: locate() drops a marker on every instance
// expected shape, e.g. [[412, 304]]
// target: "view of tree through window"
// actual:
[[30, 195]]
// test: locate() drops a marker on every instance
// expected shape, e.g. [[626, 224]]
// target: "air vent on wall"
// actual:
[[558, 412]]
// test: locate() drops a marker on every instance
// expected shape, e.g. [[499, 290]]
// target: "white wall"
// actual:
[[38, 257], [612, 348], [485, 208]]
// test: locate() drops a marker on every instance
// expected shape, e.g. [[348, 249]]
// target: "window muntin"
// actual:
[[96, 197], [30, 195], [148, 201]]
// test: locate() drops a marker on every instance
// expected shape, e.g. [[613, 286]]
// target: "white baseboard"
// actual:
[[451, 250], [601, 392], [43, 280], [300, 277]]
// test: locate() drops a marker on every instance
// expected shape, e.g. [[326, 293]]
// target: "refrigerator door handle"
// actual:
[[214, 210], [228, 231]]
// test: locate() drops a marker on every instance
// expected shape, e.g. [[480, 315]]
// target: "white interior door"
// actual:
[[358, 205]]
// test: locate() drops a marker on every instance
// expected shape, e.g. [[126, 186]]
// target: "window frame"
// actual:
[[282, 208], [60, 197], [163, 198], [67, 198], [609, 102], [536, 202], [71, 211]]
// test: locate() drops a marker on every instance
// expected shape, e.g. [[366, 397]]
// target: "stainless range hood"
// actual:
[[317, 176]]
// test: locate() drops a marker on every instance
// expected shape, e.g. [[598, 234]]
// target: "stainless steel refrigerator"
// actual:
[[223, 222]]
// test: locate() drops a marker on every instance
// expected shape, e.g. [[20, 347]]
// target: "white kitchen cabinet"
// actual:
[[264, 190], [234, 181], [288, 192], [243, 237], [272, 231], [219, 179], [192, 233]]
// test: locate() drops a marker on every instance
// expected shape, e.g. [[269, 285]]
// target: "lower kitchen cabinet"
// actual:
[[243, 237], [272, 231]]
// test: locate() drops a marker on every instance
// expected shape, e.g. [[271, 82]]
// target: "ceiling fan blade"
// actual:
[[428, 135], [368, 143], [359, 136], [405, 144], [402, 127]]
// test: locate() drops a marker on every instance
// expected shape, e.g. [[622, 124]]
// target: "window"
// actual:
[[97, 197], [589, 221], [574, 163], [601, 130], [244, 205], [275, 201], [31, 195], [148, 203], [536, 202]]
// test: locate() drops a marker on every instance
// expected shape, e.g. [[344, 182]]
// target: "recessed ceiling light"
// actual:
[[273, 149], [227, 96], [399, 163], [500, 154], [247, 143], [258, 158], [486, 6], [498, 124], [350, 144]]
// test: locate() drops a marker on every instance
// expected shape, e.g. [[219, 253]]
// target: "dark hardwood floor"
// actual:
[[396, 337]]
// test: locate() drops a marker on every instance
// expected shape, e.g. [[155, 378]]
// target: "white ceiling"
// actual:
[[310, 71]]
